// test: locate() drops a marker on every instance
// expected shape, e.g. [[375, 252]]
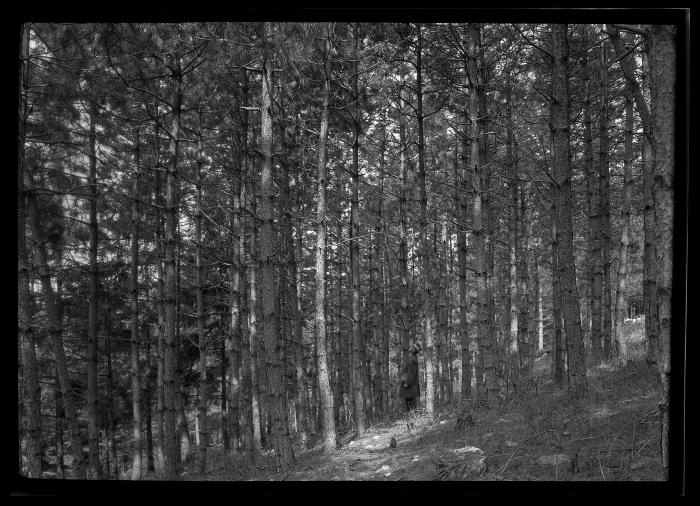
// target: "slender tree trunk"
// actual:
[[381, 238], [244, 373], [357, 344], [462, 190], [662, 64], [253, 318], [231, 415], [93, 431], [31, 394], [621, 304], [511, 169], [295, 244], [325, 393], [405, 317], [428, 307], [136, 471], [59, 428], [557, 340], [562, 170], [595, 259], [281, 441], [202, 404], [524, 342], [111, 427], [148, 398], [538, 289], [339, 340], [605, 202], [651, 318], [530, 276], [477, 217], [170, 380]]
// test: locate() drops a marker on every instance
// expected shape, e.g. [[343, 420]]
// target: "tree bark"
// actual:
[[621, 304], [428, 307], [662, 64], [281, 441], [405, 316], [477, 217], [524, 343], [514, 246], [244, 372], [562, 171], [595, 259], [462, 190], [604, 171], [253, 314], [557, 341], [357, 344], [170, 380], [31, 394], [325, 394], [202, 346], [93, 431], [136, 470]]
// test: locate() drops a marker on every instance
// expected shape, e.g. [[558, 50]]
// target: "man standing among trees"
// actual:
[[410, 386]]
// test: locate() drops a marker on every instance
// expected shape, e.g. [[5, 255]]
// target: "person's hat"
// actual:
[[416, 347]]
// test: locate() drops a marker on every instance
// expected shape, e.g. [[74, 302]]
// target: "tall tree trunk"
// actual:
[[621, 304], [295, 245], [428, 307], [159, 253], [443, 336], [524, 342], [253, 314], [148, 399], [136, 471], [202, 401], [538, 290], [357, 344], [557, 340], [230, 404], [59, 428], [531, 275], [405, 316], [339, 342], [662, 64], [281, 441], [111, 426], [477, 217], [244, 374], [31, 394], [595, 259], [651, 317], [562, 171], [514, 246], [381, 313], [170, 372], [462, 189], [604, 170], [93, 431], [325, 394]]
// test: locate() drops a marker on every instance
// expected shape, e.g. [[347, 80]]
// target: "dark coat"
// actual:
[[409, 376]]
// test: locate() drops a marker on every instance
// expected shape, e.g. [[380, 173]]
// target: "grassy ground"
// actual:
[[612, 433]]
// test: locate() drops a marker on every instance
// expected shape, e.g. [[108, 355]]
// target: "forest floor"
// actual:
[[540, 433]]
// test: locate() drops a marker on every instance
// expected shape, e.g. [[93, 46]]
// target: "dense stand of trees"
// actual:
[[231, 232]]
